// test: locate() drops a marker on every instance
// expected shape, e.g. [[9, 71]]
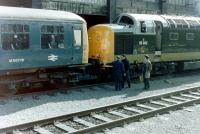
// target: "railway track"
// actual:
[[109, 116]]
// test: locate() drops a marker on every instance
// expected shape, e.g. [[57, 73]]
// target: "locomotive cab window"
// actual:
[[126, 20], [15, 36], [77, 38], [116, 20], [52, 37], [143, 27]]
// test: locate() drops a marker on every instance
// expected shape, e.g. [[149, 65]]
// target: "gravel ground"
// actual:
[[184, 121], [17, 111]]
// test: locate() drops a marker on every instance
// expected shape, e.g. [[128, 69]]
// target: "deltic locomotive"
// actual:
[[170, 41]]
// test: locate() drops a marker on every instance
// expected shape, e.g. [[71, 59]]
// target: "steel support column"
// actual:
[[161, 2], [111, 9], [36, 3]]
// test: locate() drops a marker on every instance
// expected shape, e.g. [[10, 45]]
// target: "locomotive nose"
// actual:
[[101, 43]]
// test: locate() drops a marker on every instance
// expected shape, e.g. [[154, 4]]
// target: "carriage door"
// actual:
[[158, 35], [77, 44]]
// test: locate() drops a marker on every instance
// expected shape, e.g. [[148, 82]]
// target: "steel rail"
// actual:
[[191, 95]]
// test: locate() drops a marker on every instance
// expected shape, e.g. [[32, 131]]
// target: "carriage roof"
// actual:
[[16, 13]]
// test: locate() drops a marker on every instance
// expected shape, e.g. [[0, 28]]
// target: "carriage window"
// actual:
[[173, 36], [15, 36], [77, 38], [52, 37]]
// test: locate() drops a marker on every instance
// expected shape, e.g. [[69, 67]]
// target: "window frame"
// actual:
[[172, 38], [188, 35], [27, 33], [81, 37], [54, 33]]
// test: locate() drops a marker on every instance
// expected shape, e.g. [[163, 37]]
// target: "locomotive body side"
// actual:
[[170, 41], [180, 44]]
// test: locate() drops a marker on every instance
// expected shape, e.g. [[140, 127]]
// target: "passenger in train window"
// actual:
[[52, 44], [147, 67], [52, 37], [127, 71], [60, 40], [25, 42], [118, 73], [15, 45], [15, 41], [61, 44]]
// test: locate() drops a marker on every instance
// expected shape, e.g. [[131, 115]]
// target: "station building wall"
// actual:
[[16, 3], [104, 11]]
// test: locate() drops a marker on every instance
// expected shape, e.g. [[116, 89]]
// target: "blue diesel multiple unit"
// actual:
[[35, 39]]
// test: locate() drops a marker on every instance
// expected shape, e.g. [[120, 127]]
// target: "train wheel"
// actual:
[[5, 91]]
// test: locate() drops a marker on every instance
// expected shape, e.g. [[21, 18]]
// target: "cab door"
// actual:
[[77, 44]]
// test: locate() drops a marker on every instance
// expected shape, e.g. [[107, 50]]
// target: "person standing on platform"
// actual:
[[127, 71], [147, 67], [118, 73]]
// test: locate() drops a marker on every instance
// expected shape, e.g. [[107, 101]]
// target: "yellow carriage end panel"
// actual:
[[101, 43], [85, 45]]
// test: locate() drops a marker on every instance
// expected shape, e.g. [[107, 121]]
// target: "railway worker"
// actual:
[[118, 73], [127, 71], [15, 45], [147, 67]]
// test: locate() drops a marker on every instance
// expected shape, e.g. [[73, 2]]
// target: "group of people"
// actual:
[[121, 72]]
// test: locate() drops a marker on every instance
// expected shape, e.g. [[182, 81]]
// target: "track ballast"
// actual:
[[110, 116]]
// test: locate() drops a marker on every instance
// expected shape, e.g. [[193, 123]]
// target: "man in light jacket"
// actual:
[[147, 67]]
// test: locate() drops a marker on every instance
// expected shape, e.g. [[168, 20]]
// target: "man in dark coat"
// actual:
[[147, 67], [118, 73], [127, 71]]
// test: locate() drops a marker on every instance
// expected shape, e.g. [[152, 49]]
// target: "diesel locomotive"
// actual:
[[34, 41], [170, 41]]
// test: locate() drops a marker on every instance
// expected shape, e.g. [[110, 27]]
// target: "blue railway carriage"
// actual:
[[170, 41], [35, 39]]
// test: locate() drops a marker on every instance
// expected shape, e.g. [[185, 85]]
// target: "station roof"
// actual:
[[16, 13]]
